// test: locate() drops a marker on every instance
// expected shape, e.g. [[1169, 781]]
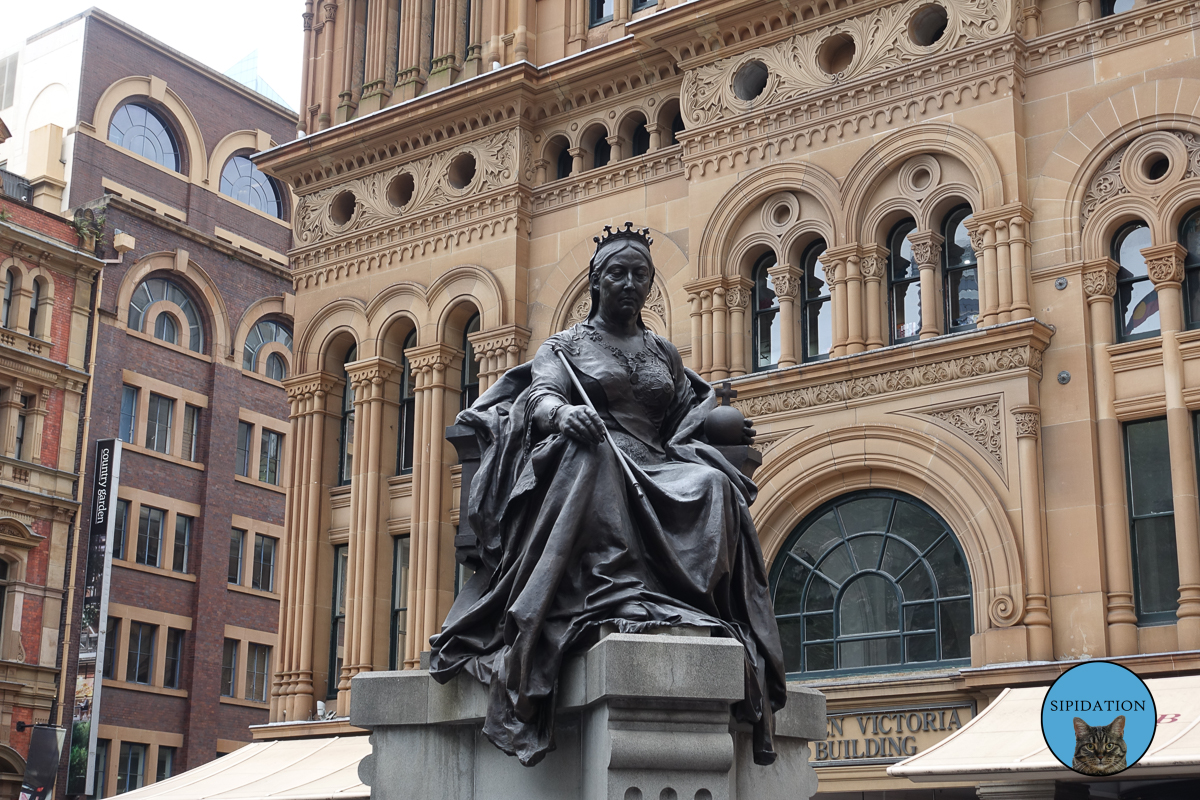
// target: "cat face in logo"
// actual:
[[1100, 749]]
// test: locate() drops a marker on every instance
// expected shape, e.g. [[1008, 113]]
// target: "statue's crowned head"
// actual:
[[609, 245]]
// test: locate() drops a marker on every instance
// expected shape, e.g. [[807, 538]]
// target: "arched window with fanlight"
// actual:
[[165, 329], [10, 287], [246, 183], [470, 369], [346, 429], [765, 315], [904, 284], [1189, 237], [816, 309], [960, 275], [141, 129], [1137, 300], [35, 300], [155, 290], [407, 427], [872, 580], [266, 332]]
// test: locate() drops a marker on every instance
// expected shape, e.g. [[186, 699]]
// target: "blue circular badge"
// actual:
[[1098, 718]]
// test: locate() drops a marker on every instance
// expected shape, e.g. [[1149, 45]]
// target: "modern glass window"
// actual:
[[599, 11], [237, 544], [139, 664], [110, 647], [406, 426], [872, 580], [129, 399], [263, 573], [337, 622], [120, 525], [35, 300], [270, 457], [140, 129], [229, 668], [765, 315], [262, 334], [961, 274], [152, 291], [191, 431], [1110, 7], [173, 659], [1137, 300], [159, 412], [165, 329], [400, 553], [469, 390], [346, 435], [101, 770], [1152, 521], [639, 143], [601, 153], [183, 543], [166, 763], [246, 183], [131, 767], [816, 308], [150, 534], [564, 163], [241, 463], [1189, 237], [258, 660], [904, 284], [10, 284]]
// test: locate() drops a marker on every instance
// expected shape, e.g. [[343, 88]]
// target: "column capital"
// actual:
[[926, 248], [370, 370], [1164, 263], [786, 279], [1028, 420], [872, 262], [432, 357], [706, 284], [1008, 214], [1100, 279], [502, 339], [576, 152], [313, 383]]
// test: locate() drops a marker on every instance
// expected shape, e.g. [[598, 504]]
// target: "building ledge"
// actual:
[[306, 729]]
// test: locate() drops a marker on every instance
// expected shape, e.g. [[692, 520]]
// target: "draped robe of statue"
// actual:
[[567, 545]]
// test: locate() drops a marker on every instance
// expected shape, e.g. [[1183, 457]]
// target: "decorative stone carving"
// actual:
[[1165, 269], [1003, 611], [786, 285], [881, 39], [1099, 283], [495, 166], [979, 422], [897, 380], [926, 252], [1028, 423], [1108, 182], [737, 297], [872, 267]]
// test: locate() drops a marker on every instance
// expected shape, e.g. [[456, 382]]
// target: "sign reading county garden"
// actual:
[[887, 735]]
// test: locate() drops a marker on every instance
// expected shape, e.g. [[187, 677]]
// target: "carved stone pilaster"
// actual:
[[1100, 279], [330, 11], [1164, 264], [737, 297], [368, 371], [1029, 423], [926, 248]]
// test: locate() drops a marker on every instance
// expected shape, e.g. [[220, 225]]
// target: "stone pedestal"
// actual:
[[641, 717]]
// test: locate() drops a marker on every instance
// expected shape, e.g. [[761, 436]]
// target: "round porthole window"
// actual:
[[836, 53], [400, 190], [750, 81], [462, 171], [341, 210], [928, 25]]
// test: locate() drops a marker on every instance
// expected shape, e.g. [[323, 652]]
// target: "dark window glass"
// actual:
[[337, 626], [183, 543], [10, 281], [241, 463], [263, 576], [1110, 7], [904, 284], [408, 410], [166, 763], [20, 440], [191, 431], [120, 525], [872, 580], [640, 143], [229, 668], [152, 291], [1137, 301], [237, 541], [150, 532], [276, 367], [35, 301], [399, 600], [139, 129], [129, 398], [564, 163], [346, 436], [101, 770], [264, 333], [1189, 237], [638, 5], [131, 768], [110, 647], [1152, 521], [139, 666], [677, 127], [270, 457], [816, 308], [765, 315], [601, 153], [174, 658], [158, 423], [258, 660], [599, 11], [246, 183], [469, 391], [165, 329], [961, 273]]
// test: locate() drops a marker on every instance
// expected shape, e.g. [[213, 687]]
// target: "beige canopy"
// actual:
[[1004, 741], [295, 769]]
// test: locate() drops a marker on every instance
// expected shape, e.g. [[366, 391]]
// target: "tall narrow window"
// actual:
[[19, 448], [337, 622], [258, 659], [229, 668], [165, 329], [270, 456], [237, 543], [1137, 300], [408, 411], [1189, 237], [601, 153], [905, 288], [140, 658], [640, 141], [158, 423], [599, 11], [35, 300], [129, 399], [149, 543], [399, 600], [101, 770], [110, 647], [677, 127], [131, 768], [191, 431], [263, 575], [3, 590], [1152, 521], [183, 543], [765, 317], [961, 278], [470, 371], [120, 525], [346, 437], [10, 281], [241, 457], [166, 763], [816, 310], [564, 163], [174, 658]]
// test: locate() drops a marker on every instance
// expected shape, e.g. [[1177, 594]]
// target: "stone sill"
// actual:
[[304, 729]]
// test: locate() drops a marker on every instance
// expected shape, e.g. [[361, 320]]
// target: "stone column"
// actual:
[[1018, 246], [1164, 263], [985, 239], [617, 143], [720, 337], [286, 662], [852, 339], [873, 265], [1031, 22], [1003, 271], [1083, 9], [706, 333], [786, 279], [416, 579], [927, 252], [579, 26], [1037, 611], [656, 132], [306, 97], [835, 271], [326, 99], [737, 298], [695, 314], [354, 559], [577, 154], [499, 349]]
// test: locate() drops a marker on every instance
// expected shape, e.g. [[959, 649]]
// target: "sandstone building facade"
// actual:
[[946, 252]]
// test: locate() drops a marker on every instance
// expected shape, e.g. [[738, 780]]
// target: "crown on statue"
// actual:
[[629, 232]]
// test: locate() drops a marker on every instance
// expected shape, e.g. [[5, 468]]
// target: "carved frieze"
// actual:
[[1099, 283], [1028, 423], [979, 422]]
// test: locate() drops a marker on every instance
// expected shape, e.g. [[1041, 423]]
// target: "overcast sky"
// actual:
[[218, 33]]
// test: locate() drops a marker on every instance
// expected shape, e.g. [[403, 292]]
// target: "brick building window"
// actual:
[[400, 555], [246, 183], [139, 668], [264, 333], [1152, 521], [131, 767], [229, 668], [158, 423], [276, 367], [1110, 7], [166, 763], [120, 525], [270, 454], [173, 658], [765, 315], [263, 576], [10, 281], [904, 278], [129, 402], [155, 290], [961, 276], [35, 300], [242, 456], [191, 431], [22, 422], [258, 659], [149, 541], [237, 540], [183, 543], [165, 329], [141, 130], [110, 647]]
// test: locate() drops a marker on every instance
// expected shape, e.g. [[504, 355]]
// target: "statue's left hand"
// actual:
[[748, 432]]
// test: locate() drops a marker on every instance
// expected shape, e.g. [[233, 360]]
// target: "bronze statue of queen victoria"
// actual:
[[599, 500]]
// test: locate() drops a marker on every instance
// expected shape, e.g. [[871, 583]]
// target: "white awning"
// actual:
[[1004, 741], [291, 769]]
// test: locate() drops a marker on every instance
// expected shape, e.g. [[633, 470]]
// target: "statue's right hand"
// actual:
[[581, 424]]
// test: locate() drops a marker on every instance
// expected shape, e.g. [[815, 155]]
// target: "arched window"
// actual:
[[905, 287], [407, 426], [470, 370], [765, 317], [1137, 300], [276, 367], [872, 580], [346, 432], [139, 129], [961, 277], [262, 334], [640, 141], [10, 286], [243, 181], [35, 299], [816, 310], [1189, 237], [165, 330], [601, 153], [676, 128], [563, 164], [156, 289], [1110, 7]]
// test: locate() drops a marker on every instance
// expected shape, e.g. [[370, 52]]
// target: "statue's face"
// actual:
[[623, 284]]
